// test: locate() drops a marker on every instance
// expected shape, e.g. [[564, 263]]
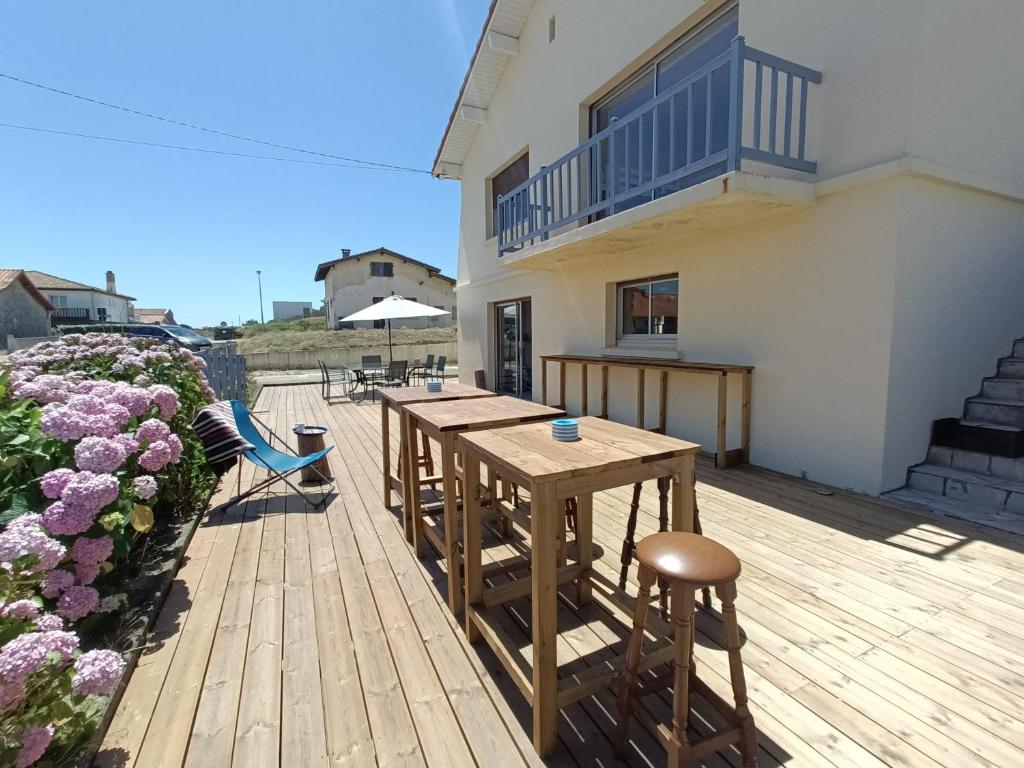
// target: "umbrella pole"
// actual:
[[391, 352]]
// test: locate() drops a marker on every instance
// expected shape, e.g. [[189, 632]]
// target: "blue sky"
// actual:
[[184, 230]]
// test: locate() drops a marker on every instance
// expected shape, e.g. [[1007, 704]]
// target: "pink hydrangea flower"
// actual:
[[27, 652], [49, 622], [155, 456], [24, 539], [144, 487], [20, 609], [87, 490], [34, 741], [165, 398], [129, 443], [54, 482], [99, 454], [55, 582], [109, 604], [86, 573], [97, 672], [152, 430], [77, 602], [63, 424], [174, 442], [142, 380], [87, 550]]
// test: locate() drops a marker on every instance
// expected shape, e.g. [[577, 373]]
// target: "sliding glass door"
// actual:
[[514, 349]]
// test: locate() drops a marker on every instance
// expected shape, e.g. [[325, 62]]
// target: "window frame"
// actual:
[[387, 267], [645, 338]]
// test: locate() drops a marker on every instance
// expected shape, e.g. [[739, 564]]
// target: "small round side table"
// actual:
[[311, 440]]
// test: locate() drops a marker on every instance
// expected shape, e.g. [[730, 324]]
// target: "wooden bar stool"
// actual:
[[629, 543], [688, 561]]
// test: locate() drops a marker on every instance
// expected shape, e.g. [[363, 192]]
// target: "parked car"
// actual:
[[175, 334]]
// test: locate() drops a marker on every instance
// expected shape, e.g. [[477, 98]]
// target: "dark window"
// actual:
[[504, 182], [378, 323], [382, 269]]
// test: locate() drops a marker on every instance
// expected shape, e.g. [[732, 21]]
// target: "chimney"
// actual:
[[346, 252], [111, 285]]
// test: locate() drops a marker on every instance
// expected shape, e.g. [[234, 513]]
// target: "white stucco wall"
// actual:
[[349, 287], [846, 309]]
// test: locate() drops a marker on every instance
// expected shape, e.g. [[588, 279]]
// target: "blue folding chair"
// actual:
[[278, 464]]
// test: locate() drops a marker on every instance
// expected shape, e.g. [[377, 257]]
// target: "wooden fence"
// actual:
[[225, 370]]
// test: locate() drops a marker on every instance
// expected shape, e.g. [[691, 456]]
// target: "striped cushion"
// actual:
[[215, 426]]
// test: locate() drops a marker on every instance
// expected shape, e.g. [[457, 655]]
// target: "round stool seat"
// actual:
[[689, 558]]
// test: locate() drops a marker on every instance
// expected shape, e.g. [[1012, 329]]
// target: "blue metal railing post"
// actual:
[[736, 103], [501, 223], [610, 176], [543, 202]]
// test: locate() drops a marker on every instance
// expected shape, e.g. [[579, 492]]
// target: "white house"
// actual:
[[76, 302], [829, 191], [357, 280]]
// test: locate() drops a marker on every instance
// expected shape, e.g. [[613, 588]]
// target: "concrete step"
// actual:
[[1003, 389], [979, 463], [1010, 368], [1012, 522], [995, 411], [1018, 348], [976, 489]]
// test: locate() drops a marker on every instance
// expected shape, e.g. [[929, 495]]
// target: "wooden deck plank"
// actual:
[[873, 635]]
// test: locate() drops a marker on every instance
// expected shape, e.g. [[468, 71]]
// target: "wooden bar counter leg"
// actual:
[[545, 520], [403, 459], [684, 496], [584, 547], [472, 535], [723, 398], [451, 524]]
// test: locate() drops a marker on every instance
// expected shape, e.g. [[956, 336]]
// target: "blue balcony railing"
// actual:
[[691, 132]]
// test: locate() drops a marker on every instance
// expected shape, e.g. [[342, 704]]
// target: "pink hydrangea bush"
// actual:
[[90, 427]]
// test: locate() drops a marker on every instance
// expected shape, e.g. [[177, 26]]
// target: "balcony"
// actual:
[[70, 316], [683, 159]]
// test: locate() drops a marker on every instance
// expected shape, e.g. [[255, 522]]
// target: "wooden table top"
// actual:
[[403, 396], [530, 450], [659, 363], [460, 415]]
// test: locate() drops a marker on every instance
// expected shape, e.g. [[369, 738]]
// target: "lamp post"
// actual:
[[259, 281]]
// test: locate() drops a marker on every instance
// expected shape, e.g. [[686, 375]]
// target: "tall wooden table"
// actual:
[[398, 398], [607, 455], [444, 422]]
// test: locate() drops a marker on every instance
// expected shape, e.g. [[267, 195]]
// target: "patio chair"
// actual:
[[279, 465], [371, 360], [438, 372], [422, 372], [396, 375], [335, 377]]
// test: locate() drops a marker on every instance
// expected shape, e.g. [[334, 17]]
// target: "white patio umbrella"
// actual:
[[394, 308]]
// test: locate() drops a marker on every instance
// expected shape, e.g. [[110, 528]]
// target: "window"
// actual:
[[101, 314], [379, 323], [455, 314], [382, 269], [504, 182], [59, 301], [649, 309]]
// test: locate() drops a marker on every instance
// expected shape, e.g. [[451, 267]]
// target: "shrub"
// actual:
[[95, 446]]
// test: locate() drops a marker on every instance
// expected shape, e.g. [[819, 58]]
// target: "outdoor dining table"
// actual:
[[397, 399], [606, 455], [445, 422]]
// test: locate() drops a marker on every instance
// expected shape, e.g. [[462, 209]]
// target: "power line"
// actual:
[[184, 124], [199, 149]]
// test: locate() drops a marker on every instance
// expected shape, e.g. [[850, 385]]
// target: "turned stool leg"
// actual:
[[664, 483], [628, 681], [629, 543], [682, 618], [748, 741], [705, 591]]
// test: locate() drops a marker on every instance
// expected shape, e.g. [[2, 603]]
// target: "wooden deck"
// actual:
[[297, 637]]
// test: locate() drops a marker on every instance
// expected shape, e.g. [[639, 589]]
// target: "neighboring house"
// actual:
[[154, 316], [357, 280], [857, 235], [24, 311], [286, 310], [76, 302]]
